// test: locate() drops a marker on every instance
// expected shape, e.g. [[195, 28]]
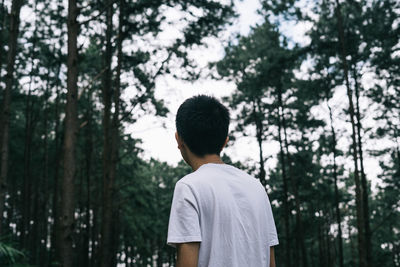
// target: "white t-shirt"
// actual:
[[229, 212]]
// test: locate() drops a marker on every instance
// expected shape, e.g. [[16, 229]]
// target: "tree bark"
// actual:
[[299, 222], [27, 181], [70, 136], [30, 190], [286, 214], [108, 231], [54, 256], [352, 249], [259, 136], [88, 174], [362, 246], [2, 27], [106, 236], [321, 256], [398, 155], [94, 260], [335, 180], [44, 194], [364, 183], [5, 113]]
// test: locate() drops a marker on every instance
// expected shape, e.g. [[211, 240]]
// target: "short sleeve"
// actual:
[[184, 221], [272, 234]]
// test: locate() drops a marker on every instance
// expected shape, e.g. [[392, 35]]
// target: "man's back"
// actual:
[[227, 211]]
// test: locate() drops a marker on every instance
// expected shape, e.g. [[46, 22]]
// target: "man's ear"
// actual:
[[179, 140], [226, 142]]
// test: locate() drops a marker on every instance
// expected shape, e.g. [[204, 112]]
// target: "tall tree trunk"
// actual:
[[286, 214], [34, 227], [259, 136], [115, 134], [364, 183], [330, 261], [105, 244], [299, 222], [362, 246], [54, 250], [335, 179], [108, 231], [31, 190], [30, 183], [321, 256], [115, 239], [88, 172], [96, 222], [2, 27], [27, 181], [95, 235], [126, 251], [70, 136], [352, 249], [80, 222], [5, 112], [398, 154], [44, 193]]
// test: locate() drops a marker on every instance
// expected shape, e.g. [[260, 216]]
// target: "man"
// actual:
[[220, 216]]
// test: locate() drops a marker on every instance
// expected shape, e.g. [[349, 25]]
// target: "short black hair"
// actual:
[[203, 122]]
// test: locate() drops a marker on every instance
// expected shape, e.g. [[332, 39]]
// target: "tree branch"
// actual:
[[392, 212], [91, 82], [98, 15]]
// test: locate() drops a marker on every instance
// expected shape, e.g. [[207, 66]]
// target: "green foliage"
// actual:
[[262, 65], [9, 255]]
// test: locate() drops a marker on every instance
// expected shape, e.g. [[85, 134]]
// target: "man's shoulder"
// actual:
[[215, 173], [191, 178]]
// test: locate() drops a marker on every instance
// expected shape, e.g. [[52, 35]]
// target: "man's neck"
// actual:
[[196, 162]]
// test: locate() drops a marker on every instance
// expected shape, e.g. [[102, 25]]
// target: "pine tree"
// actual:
[[70, 136], [6, 103]]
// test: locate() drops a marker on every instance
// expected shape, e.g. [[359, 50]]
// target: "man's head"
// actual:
[[202, 124]]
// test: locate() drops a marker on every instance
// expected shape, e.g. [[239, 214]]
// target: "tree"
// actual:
[[263, 71], [214, 17], [5, 112], [70, 135]]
